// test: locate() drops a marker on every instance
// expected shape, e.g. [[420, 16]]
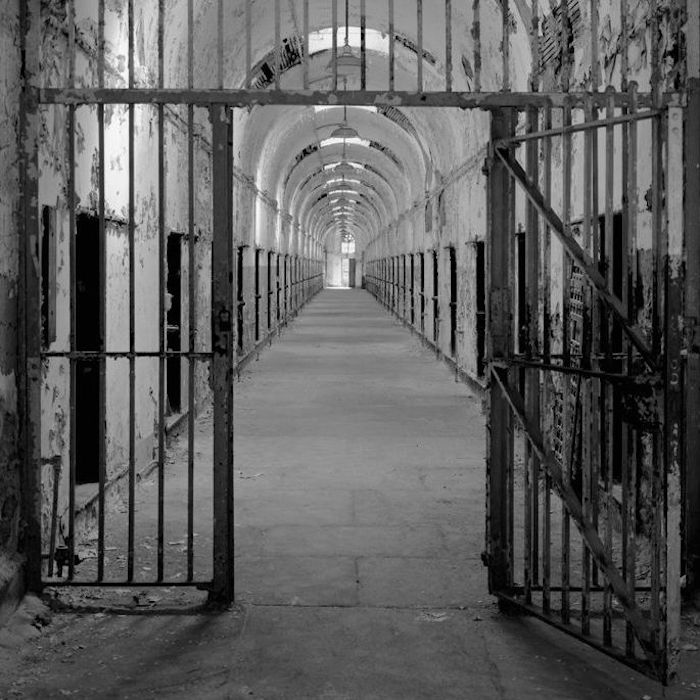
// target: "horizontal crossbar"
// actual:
[[248, 98]]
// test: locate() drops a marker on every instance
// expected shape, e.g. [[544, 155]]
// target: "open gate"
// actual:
[[586, 372], [584, 456]]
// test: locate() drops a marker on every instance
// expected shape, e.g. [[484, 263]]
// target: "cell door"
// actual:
[[583, 506]]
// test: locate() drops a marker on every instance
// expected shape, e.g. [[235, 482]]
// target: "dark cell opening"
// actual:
[[88, 391], [453, 301], [480, 308], [174, 322]]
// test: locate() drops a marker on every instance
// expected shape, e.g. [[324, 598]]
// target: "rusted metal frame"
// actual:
[[499, 506], [29, 316], [219, 45], [305, 20], [630, 464], [419, 52], [579, 256], [569, 432], [162, 289], [77, 583], [131, 518], [606, 395], [102, 247], [249, 44], [476, 38], [692, 304], [587, 405], [126, 354], [505, 45], [587, 125], [532, 378], [546, 352], [334, 51], [392, 46], [448, 45], [245, 98], [363, 44], [223, 343], [622, 379], [646, 667], [192, 286], [624, 43], [674, 280], [644, 630], [278, 44], [72, 292]]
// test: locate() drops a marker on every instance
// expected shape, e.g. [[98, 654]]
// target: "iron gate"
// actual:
[[586, 384], [590, 371]]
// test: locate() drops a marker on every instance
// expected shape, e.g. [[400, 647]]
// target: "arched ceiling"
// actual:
[[288, 151]]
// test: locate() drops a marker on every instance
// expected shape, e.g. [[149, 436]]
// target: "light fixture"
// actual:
[[345, 64], [344, 168], [345, 131]]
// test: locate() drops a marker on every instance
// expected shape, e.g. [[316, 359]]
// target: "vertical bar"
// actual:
[[566, 520], [192, 291], [505, 47], [131, 527], [565, 41], [476, 36], [448, 45], [306, 43], [30, 319], [673, 407], [630, 464], [334, 13], [624, 43], [392, 46], [606, 393], [249, 42], [419, 53], [219, 46], [72, 253], [499, 434], [363, 44], [223, 348], [532, 379], [162, 283], [278, 44], [547, 398], [103, 294], [692, 295]]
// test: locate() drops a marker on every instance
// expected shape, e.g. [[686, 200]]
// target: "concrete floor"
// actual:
[[359, 525]]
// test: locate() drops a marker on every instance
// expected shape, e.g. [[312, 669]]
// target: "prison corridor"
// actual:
[[359, 518]]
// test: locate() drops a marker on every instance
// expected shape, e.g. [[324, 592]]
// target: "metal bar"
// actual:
[[30, 309], [162, 283], [643, 629], [419, 52], [580, 257], [219, 47], [692, 298], [624, 43], [499, 435], [392, 46], [505, 46], [569, 432], [363, 44], [192, 288], [586, 125], [674, 399], [306, 44], [223, 345], [102, 263], [334, 12], [278, 44], [244, 98], [131, 525], [476, 37], [448, 45], [532, 381], [72, 253], [249, 43]]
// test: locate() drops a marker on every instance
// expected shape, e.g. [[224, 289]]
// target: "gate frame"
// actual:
[[508, 405]]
